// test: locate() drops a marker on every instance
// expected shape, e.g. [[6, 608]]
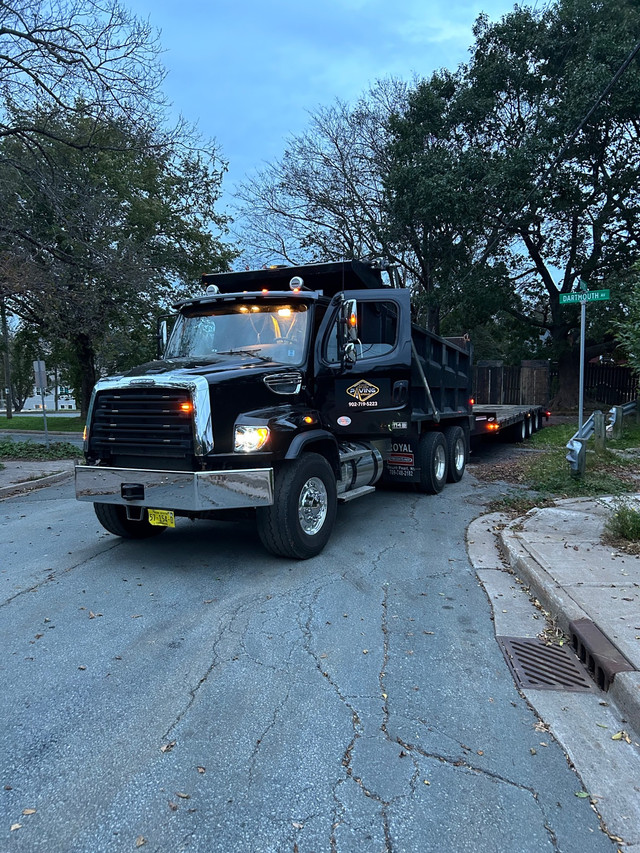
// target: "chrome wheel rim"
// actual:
[[459, 454], [439, 462], [313, 506]]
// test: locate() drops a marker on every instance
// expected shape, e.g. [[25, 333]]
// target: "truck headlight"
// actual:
[[250, 438]]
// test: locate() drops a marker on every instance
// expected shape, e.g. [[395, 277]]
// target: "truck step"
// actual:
[[355, 493]]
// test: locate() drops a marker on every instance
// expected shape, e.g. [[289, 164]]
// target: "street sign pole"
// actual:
[[40, 374], [583, 323], [583, 296]]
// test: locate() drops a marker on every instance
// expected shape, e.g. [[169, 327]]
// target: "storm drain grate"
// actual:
[[540, 667]]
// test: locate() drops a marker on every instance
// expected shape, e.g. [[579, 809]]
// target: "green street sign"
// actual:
[[585, 296]]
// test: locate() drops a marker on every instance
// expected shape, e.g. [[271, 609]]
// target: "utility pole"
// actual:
[[5, 356]]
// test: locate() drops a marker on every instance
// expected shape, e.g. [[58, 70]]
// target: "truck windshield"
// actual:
[[268, 332]]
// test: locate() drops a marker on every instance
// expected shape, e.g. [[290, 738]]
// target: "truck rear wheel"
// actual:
[[113, 518], [299, 522], [456, 453], [432, 458]]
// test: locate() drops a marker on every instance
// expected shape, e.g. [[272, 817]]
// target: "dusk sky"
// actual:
[[248, 72]]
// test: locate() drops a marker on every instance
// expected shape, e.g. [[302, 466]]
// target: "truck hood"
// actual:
[[206, 366]]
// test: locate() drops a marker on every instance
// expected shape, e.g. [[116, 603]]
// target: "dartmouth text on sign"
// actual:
[[586, 296]]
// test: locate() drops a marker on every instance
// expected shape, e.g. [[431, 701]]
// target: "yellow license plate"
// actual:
[[162, 517]]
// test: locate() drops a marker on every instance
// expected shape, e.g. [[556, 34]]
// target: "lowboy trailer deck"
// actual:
[[514, 422]]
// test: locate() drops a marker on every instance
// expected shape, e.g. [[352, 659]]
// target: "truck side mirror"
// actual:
[[348, 332], [349, 356], [162, 336], [349, 315]]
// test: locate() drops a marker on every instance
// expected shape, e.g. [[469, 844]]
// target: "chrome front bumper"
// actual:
[[177, 490]]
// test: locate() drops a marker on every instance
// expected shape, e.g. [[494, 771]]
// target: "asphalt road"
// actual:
[[193, 693]]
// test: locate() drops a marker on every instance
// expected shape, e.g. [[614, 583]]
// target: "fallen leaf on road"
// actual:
[[201, 769], [621, 736], [28, 811], [137, 616], [92, 615], [582, 794], [183, 796], [173, 806], [297, 825], [82, 667], [15, 826], [140, 840], [168, 746]]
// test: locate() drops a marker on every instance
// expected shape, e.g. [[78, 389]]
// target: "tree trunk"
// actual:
[[569, 380], [87, 370]]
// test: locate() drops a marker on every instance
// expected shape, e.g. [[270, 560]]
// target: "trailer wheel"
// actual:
[[432, 458], [301, 518], [529, 425], [456, 453], [520, 431], [113, 517]]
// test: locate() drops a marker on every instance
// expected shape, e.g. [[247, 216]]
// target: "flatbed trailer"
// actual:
[[514, 422]]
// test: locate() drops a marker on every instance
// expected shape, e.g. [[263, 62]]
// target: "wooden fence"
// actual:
[[535, 382]]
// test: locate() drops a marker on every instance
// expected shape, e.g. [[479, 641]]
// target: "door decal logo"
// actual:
[[363, 391]]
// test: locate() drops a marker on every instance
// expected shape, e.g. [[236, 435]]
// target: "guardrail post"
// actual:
[[617, 424], [599, 431], [577, 456]]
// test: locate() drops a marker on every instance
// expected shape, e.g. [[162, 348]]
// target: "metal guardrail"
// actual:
[[627, 409], [577, 443]]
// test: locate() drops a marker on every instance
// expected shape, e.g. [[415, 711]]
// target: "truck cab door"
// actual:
[[366, 394]]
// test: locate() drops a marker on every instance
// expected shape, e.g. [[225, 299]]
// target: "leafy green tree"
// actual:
[[628, 328], [101, 237], [524, 162], [25, 349]]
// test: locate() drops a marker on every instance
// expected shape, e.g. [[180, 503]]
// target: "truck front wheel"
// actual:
[[113, 518], [299, 522], [432, 458]]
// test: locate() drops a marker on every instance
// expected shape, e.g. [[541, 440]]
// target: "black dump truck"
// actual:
[[279, 393]]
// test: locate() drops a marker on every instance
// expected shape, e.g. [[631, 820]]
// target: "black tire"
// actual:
[[457, 445], [432, 458], [299, 522], [113, 518], [519, 432]]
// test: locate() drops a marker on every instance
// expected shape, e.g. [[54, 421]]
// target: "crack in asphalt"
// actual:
[[193, 691], [52, 576], [270, 725]]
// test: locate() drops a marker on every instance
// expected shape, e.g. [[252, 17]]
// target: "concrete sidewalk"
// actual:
[[590, 589]]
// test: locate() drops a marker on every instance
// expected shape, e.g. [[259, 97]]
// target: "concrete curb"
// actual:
[[546, 589], [30, 485], [625, 689]]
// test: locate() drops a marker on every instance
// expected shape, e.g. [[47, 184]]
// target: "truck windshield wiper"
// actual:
[[253, 353]]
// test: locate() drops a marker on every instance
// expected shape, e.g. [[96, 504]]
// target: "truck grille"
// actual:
[[142, 422]]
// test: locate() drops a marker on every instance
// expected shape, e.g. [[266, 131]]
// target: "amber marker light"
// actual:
[[493, 426], [186, 407], [85, 433], [308, 419]]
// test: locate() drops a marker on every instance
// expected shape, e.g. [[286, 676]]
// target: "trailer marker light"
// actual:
[[85, 433], [472, 401]]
